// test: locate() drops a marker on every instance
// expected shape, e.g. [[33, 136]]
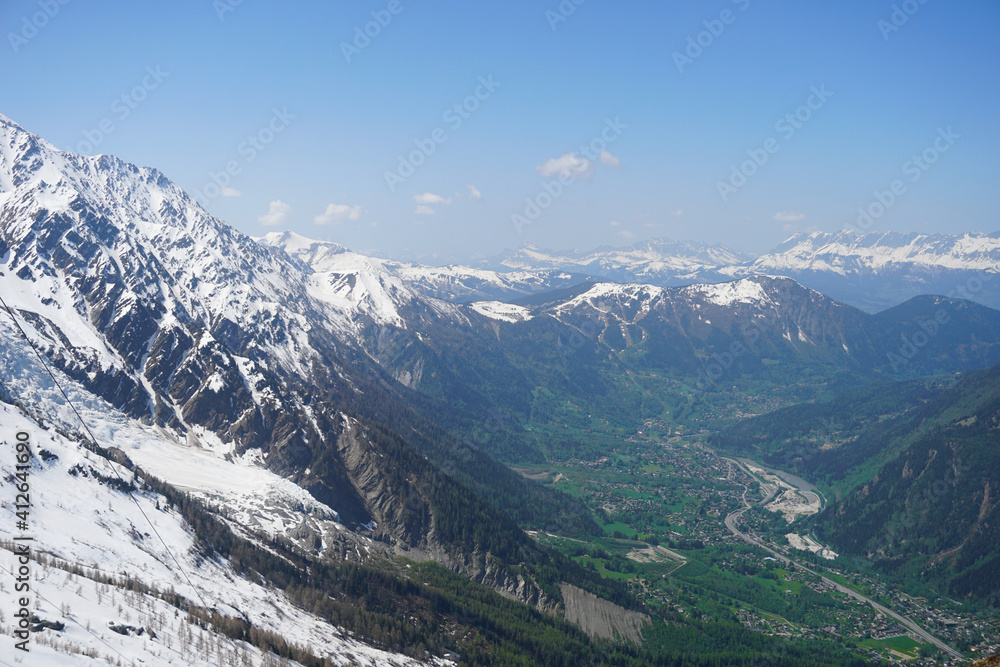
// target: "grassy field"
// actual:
[[901, 644]]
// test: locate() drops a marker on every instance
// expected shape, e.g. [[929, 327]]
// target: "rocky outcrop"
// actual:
[[515, 587]]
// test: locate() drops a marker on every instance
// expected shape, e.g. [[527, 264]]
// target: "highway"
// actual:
[[905, 622]]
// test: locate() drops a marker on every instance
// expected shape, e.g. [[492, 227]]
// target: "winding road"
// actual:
[[902, 620]]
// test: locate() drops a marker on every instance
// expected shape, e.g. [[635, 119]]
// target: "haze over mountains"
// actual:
[[330, 412], [873, 271]]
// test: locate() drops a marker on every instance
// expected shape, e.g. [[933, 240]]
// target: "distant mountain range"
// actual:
[[455, 283], [656, 261], [871, 271], [551, 328]]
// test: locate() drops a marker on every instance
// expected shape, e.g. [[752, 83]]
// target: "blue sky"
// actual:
[[308, 130]]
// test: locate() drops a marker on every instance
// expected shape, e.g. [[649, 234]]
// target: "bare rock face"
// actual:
[[515, 588], [600, 618]]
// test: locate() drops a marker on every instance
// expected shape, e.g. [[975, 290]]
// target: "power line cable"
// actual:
[[93, 440]]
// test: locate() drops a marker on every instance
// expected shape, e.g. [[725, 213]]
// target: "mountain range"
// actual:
[[299, 408], [872, 271]]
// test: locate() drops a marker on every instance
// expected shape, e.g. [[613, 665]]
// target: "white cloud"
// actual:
[[615, 223], [430, 198], [609, 160], [230, 192], [276, 213], [678, 213], [789, 216], [423, 210], [474, 193], [338, 212], [625, 234], [569, 165]]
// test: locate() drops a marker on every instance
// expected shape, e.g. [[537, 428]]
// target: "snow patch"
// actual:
[[504, 312], [728, 294]]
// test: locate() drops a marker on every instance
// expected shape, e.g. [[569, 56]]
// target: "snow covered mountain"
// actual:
[[872, 271], [763, 332], [141, 279], [877, 270], [181, 322], [362, 289], [740, 321], [231, 372], [457, 284], [245, 353], [309, 398], [849, 252], [117, 568], [657, 261]]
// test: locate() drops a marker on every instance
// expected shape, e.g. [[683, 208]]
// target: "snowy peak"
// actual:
[[138, 292], [654, 260], [314, 255], [602, 294], [390, 292], [876, 271], [463, 284], [176, 319], [848, 253], [64, 210], [755, 293], [745, 291], [660, 261], [872, 271], [353, 285]]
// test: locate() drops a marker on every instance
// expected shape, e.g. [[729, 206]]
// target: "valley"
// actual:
[[693, 534]]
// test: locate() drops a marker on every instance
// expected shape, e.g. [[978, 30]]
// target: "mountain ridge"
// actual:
[[873, 271], [161, 309], [384, 395]]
